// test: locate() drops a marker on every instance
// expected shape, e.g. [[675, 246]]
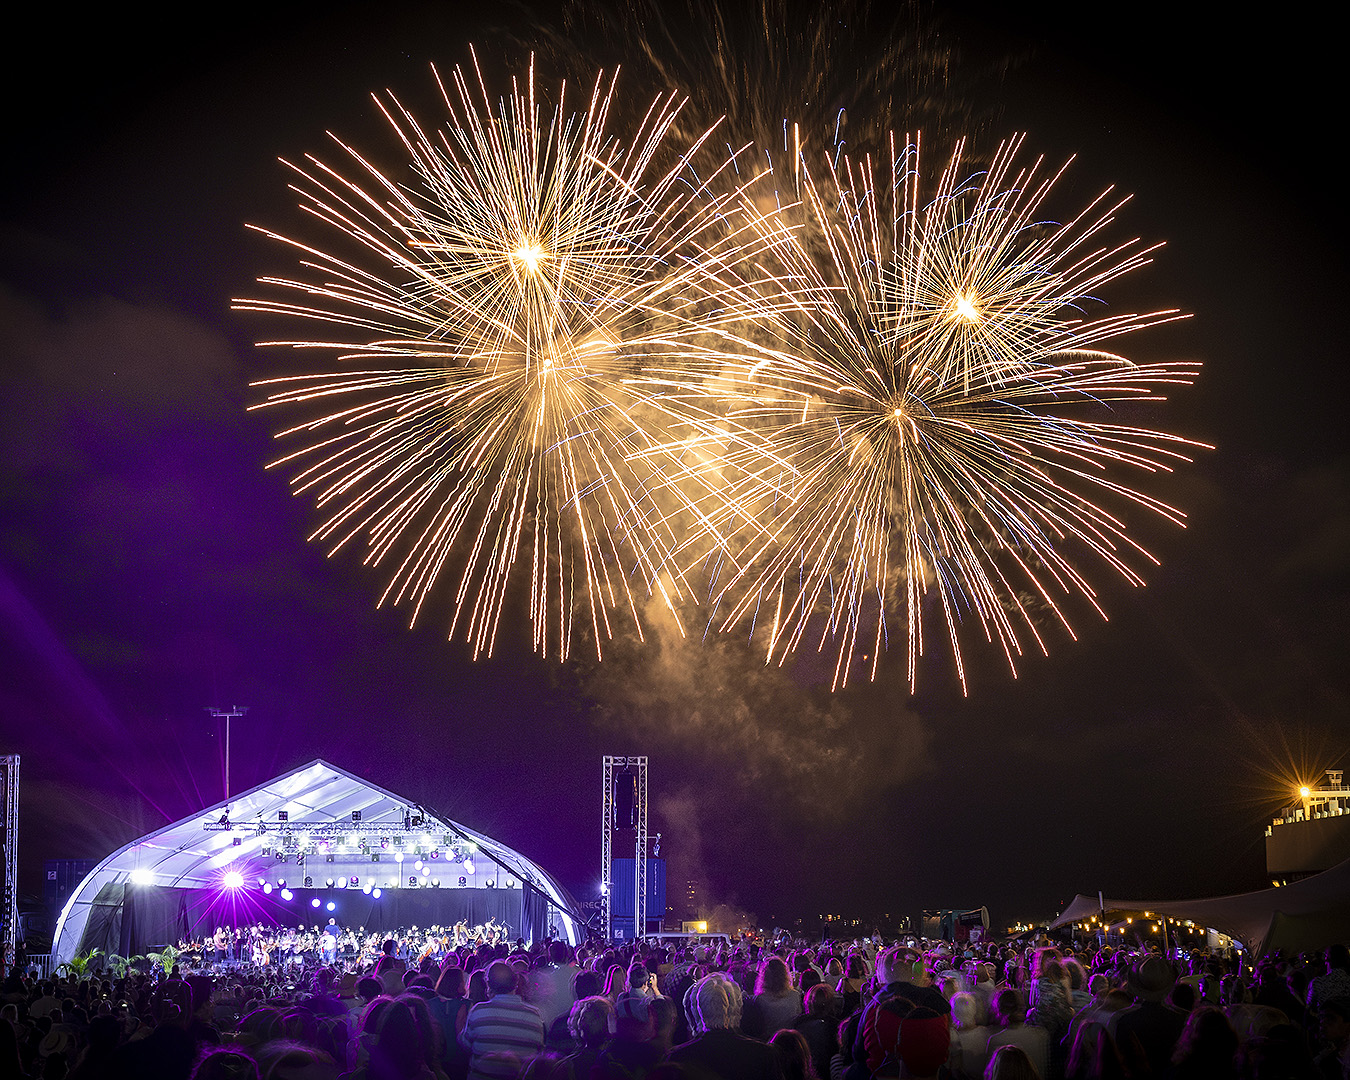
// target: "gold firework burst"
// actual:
[[923, 412], [495, 299]]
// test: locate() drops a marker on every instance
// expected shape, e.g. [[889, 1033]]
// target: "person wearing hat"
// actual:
[[1147, 1032], [924, 1043], [901, 976]]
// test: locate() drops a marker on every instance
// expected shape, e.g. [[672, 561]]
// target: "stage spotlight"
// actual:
[[234, 879], [425, 871], [281, 882], [398, 856], [140, 876], [315, 902], [376, 893], [330, 883], [267, 888], [417, 865], [435, 883], [330, 906], [468, 867], [287, 895], [366, 889]]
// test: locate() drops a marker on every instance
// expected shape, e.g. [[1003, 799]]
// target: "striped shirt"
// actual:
[[502, 1034]]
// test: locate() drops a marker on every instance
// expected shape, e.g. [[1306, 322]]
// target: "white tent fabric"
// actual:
[[188, 854], [1304, 915]]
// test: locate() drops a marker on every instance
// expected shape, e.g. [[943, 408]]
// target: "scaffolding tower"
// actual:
[[9, 873], [631, 772]]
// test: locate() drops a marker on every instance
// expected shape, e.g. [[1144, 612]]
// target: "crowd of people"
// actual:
[[732, 1012]]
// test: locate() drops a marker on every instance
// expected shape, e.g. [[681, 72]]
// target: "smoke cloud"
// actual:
[[762, 729]]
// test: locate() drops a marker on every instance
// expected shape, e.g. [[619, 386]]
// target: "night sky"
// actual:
[[150, 567]]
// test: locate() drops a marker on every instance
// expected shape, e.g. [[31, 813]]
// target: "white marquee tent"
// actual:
[[333, 835]]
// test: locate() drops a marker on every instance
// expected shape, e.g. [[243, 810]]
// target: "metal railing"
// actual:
[[42, 962]]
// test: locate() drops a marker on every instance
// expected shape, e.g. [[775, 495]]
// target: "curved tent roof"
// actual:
[[197, 851], [1307, 914]]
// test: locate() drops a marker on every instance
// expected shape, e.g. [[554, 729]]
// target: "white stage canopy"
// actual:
[[343, 826]]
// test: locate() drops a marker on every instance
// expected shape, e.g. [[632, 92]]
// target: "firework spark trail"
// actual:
[[923, 416], [506, 292]]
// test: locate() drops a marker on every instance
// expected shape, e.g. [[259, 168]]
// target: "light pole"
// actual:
[[227, 715]]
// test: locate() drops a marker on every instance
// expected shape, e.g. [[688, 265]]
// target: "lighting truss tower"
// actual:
[[9, 876], [615, 767]]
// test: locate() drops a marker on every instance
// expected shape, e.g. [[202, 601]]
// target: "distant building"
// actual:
[[1311, 834], [692, 901]]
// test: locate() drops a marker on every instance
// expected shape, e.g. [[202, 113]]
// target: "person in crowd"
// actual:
[[1335, 982], [1207, 1048], [450, 1009], [1272, 991], [1010, 1013], [819, 1025], [630, 1053], [224, 1063], [849, 987], [1149, 1029], [589, 1022], [478, 988], [1011, 1063], [503, 1032], [1333, 1053], [1094, 1055], [551, 989], [968, 1055], [1248, 1019], [718, 1051], [1050, 1005], [794, 1056], [665, 1013], [924, 1043], [776, 1004], [616, 981]]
